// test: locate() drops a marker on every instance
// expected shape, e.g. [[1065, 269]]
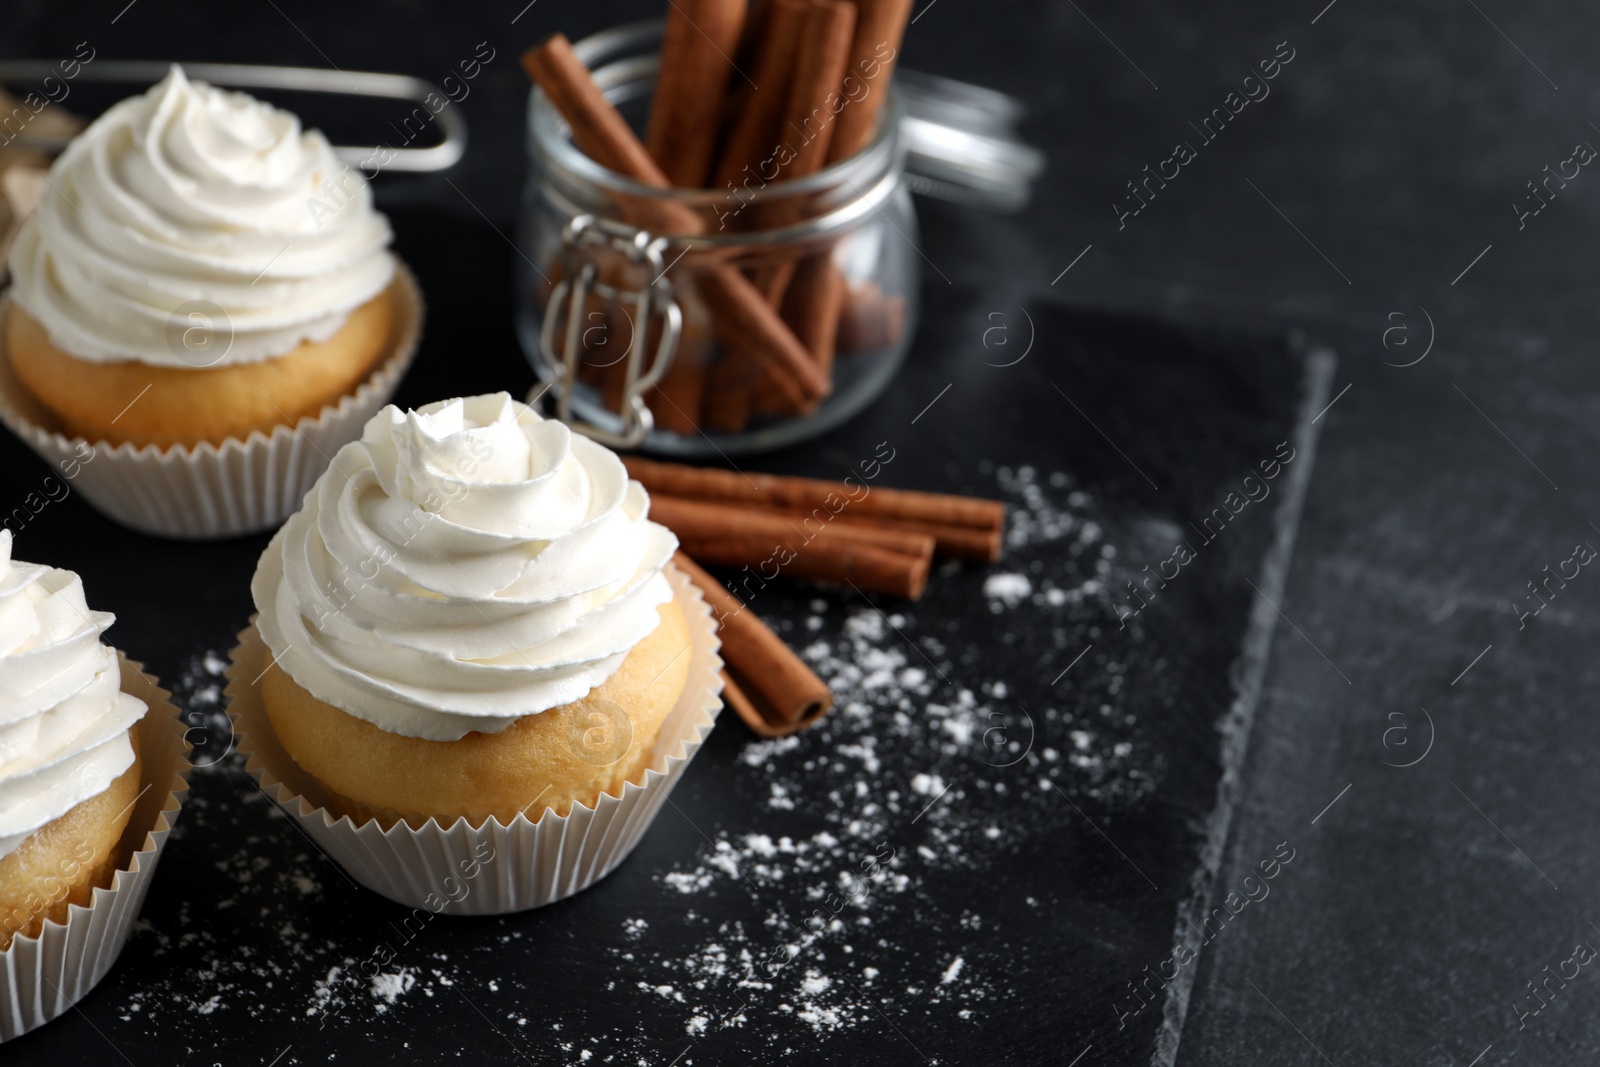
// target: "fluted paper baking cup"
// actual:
[[43, 976], [495, 867], [208, 491]]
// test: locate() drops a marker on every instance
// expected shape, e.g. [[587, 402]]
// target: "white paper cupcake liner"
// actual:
[[208, 491], [42, 977], [494, 868]]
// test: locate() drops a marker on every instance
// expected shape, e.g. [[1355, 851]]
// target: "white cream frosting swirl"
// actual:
[[461, 566], [191, 198], [64, 718]]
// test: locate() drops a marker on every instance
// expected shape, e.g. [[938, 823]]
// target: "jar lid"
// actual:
[[962, 144]]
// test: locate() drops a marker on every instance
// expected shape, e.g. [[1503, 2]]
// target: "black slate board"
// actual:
[[1051, 896], [1395, 144]]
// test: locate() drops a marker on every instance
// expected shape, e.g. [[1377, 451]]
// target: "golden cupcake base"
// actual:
[[43, 974], [494, 867], [560, 757], [209, 491], [62, 862], [190, 405]]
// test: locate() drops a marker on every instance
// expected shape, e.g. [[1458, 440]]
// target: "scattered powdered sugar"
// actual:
[[928, 769], [1035, 517], [1009, 589], [952, 972], [391, 987], [273, 874], [840, 894]]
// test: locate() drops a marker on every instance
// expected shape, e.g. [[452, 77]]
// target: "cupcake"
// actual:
[[203, 304], [194, 248], [471, 618], [69, 748]]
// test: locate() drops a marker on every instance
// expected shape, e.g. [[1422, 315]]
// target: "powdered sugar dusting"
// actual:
[[915, 779], [391, 987], [838, 894]]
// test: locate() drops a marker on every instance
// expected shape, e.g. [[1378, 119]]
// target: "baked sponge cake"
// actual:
[[69, 756], [469, 618], [198, 268]]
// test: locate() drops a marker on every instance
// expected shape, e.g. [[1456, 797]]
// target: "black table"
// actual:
[[1366, 200]]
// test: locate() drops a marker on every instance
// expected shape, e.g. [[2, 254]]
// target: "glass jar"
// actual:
[[628, 327]]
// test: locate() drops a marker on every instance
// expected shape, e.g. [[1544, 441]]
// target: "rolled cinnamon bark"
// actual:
[[702, 520], [731, 390], [809, 119], [836, 561], [749, 328], [815, 298], [749, 155], [811, 307], [734, 696], [878, 559], [775, 693], [696, 63], [869, 321], [755, 26], [949, 541], [743, 318], [880, 27], [678, 400], [598, 130], [747, 163], [807, 494]]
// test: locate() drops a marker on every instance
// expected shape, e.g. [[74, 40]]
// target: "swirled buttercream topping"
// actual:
[[64, 718], [191, 205], [461, 566]]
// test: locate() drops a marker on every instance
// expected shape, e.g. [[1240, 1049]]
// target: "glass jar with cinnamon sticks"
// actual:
[[719, 245]]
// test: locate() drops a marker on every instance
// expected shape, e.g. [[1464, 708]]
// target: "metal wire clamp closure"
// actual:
[[644, 365]]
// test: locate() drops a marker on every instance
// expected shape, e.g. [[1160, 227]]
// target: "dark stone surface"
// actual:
[[1396, 141]]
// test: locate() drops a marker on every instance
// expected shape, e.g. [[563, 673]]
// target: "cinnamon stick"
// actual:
[[750, 151], [776, 692], [815, 298], [878, 558], [703, 520], [949, 541], [747, 163], [700, 38], [811, 307], [869, 321], [755, 26], [598, 130], [837, 561], [678, 399], [812, 114], [735, 697], [880, 27], [742, 317], [807, 130], [809, 119], [747, 326], [675, 403], [808, 494], [729, 398]]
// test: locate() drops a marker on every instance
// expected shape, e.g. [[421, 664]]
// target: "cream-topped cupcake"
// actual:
[[199, 268], [69, 759], [470, 617]]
